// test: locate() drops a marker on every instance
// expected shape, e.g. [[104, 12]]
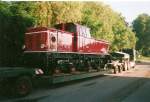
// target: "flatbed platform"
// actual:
[[70, 77]]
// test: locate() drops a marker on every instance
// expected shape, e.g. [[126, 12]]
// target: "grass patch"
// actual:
[[143, 58]]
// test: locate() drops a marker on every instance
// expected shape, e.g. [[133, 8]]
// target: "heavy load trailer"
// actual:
[[21, 79], [64, 53]]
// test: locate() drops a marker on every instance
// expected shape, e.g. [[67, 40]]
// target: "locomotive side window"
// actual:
[[58, 26], [84, 31], [88, 33], [70, 28], [80, 31]]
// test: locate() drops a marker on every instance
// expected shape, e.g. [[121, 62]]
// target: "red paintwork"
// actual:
[[40, 39], [87, 44], [90, 45], [64, 41], [33, 41]]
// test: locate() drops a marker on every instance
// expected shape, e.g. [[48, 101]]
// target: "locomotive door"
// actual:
[[53, 40]]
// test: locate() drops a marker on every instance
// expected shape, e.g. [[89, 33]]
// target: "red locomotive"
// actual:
[[69, 38], [70, 43]]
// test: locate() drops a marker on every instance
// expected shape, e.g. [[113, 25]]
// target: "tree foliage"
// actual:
[[13, 24], [109, 25], [141, 26], [66, 12]]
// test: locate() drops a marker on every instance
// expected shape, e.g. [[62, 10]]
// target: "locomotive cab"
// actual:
[[83, 42]]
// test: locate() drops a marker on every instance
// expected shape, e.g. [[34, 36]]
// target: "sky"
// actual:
[[129, 9]]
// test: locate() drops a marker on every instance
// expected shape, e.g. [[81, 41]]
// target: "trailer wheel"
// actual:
[[133, 67], [119, 69], [125, 67], [115, 70], [23, 86]]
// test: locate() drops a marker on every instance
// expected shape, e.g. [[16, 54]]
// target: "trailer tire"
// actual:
[[119, 69], [23, 86], [125, 67], [115, 70]]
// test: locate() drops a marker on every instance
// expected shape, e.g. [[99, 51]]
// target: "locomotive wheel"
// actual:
[[72, 69], [57, 71], [23, 86]]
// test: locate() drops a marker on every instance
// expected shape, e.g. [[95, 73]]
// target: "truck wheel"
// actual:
[[124, 67], [23, 86], [115, 70], [119, 69]]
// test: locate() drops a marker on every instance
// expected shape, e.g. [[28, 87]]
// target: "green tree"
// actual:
[[66, 12], [12, 28], [107, 24], [141, 26]]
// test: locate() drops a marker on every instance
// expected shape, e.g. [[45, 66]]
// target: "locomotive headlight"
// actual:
[[53, 39], [42, 46]]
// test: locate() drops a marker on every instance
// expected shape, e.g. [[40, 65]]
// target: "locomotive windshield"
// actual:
[[74, 28], [58, 26], [84, 31], [70, 27]]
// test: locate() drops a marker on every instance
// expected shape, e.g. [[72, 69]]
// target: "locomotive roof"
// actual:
[[73, 24], [36, 29], [85, 27]]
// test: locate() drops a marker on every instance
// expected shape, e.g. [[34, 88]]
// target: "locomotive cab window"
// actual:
[[58, 26], [70, 28], [88, 32]]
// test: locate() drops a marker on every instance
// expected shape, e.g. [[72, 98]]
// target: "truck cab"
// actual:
[[119, 61]]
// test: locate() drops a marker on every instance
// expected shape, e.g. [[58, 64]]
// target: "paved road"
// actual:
[[129, 86]]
